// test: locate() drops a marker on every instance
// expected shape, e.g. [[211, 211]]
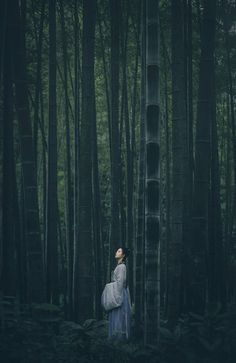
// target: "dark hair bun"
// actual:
[[126, 251]]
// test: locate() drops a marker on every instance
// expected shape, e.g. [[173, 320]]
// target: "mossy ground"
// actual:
[[209, 339]]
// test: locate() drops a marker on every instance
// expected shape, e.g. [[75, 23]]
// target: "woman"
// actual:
[[116, 299]]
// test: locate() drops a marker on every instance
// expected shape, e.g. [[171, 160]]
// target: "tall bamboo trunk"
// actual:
[[97, 233], [68, 179], [105, 78], [8, 247], [35, 276], [39, 44], [228, 207], [179, 162], [129, 157], [139, 250], [115, 148], [51, 224], [134, 119], [85, 310], [166, 241], [188, 186], [232, 112], [77, 148], [152, 182], [202, 161], [216, 262]]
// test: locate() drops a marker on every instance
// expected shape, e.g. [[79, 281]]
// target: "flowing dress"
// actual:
[[117, 299]]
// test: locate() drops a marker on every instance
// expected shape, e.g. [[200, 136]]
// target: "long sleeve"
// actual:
[[112, 295]]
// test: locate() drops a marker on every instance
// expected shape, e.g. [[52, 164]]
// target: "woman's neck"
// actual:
[[120, 261]]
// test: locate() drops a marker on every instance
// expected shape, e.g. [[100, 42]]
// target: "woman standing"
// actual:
[[116, 298]]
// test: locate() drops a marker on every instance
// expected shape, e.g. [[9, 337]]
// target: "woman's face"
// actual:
[[119, 253]]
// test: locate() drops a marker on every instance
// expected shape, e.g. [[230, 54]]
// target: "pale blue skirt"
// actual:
[[120, 318]]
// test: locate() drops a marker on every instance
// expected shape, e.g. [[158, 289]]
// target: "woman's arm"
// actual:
[[120, 275]]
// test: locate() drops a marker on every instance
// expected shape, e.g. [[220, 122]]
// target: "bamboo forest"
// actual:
[[117, 156]]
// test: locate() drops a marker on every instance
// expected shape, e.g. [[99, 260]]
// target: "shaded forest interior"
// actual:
[[117, 128]]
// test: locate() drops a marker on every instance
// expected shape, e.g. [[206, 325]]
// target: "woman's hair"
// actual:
[[126, 252]]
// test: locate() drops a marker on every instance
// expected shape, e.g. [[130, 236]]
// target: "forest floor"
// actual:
[[197, 339]]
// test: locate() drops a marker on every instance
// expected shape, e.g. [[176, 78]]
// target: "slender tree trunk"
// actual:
[[44, 175], [139, 250], [38, 123], [85, 256], [216, 254], [96, 218], [75, 292], [129, 157], [152, 182], [115, 149], [8, 276], [105, 78], [231, 103], [202, 161], [135, 174], [188, 187], [106, 269], [178, 165], [23, 246], [228, 177], [2, 46], [39, 43], [51, 226], [134, 163], [123, 200], [68, 179], [3, 27], [168, 190]]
